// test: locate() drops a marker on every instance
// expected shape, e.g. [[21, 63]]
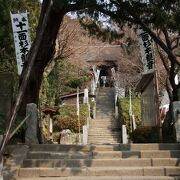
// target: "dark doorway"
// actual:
[[106, 79]]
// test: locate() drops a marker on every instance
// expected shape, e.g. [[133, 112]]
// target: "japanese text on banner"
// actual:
[[20, 28], [146, 48]]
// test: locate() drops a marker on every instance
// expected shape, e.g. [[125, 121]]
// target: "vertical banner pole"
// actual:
[[130, 109], [77, 106]]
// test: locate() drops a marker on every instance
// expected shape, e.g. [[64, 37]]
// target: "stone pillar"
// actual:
[[50, 128], [94, 111], [86, 97], [6, 93], [85, 135], [32, 124], [115, 102], [176, 106], [124, 135]]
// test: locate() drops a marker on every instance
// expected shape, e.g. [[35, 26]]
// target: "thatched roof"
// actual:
[[103, 53]]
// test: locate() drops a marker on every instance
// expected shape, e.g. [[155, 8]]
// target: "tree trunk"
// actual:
[[44, 56]]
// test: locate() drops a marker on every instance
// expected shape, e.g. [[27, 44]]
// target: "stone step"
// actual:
[[105, 123], [106, 104], [106, 178], [104, 120], [104, 154], [94, 126], [136, 154], [97, 137], [105, 109], [104, 134], [108, 129], [120, 147], [58, 155], [107, 96], [104, 129], [99, 171], [110, 138], [102, 115], [81, 163], [104, 141]]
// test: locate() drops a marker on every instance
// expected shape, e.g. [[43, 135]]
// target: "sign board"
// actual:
[[22, 43], [146, 48]]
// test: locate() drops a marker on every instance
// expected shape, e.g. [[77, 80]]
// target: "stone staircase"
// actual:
[[104, 129], [103, 159], [102, 162]]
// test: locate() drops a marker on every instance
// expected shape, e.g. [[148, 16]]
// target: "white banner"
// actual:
[[22, 42], [146, 48]]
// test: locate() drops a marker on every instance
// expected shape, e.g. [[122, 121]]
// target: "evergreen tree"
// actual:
[[7, 49], [7, 59]]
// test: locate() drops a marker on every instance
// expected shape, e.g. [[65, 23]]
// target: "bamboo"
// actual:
[[19, 126]]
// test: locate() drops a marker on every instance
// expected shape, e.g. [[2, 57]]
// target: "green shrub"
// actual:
[[67, 118], [145, 135], [77, 81], [123, 107]]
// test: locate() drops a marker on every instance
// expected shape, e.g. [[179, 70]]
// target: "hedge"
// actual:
[[123, 107], [67, 118]]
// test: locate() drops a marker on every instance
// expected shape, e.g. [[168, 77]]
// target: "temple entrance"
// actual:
[[105, 78]]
